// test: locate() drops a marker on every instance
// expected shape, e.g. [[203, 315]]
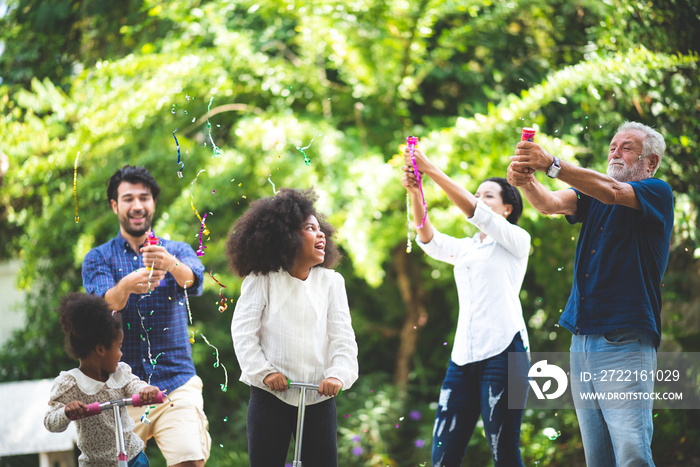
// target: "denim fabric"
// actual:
[[614, 433], [480, 388], [139, 461]]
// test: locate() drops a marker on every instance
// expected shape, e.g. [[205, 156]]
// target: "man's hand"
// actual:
[[143, 280], [276, 382], [157, 258], [519, 175], [531, 156]]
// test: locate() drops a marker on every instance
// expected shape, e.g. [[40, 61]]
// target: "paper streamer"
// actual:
[[75, 186]]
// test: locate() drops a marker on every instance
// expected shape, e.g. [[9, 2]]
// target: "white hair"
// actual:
[[653, 142]]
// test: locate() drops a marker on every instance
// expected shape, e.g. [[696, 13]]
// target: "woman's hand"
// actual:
[[276, 382], [423, 164], [330, 387], [409, 180]]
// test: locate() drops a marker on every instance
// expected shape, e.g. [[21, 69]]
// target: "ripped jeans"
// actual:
[[480, 388]]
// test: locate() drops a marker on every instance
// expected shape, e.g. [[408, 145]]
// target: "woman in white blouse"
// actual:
[[291, 323], [489, 269]]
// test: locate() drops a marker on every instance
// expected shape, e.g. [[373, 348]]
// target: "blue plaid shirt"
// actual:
[[159, 351]]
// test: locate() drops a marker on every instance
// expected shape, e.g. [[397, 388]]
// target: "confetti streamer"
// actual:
[[75, 186], [179, 162], [217, 151], [148, 340], [307, 161], [200, 250], [187, 301], [206, 231], [224, 386], [269, 179], [222, 303], [408, 224], [412, 141]]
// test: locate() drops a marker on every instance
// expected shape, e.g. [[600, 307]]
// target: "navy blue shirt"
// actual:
[[159, 351], [621, 257]]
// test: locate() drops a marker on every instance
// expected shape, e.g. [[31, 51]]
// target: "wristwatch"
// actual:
[[553, 170]]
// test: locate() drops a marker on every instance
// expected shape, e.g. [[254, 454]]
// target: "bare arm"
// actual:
[[460, 196], [531, 156], [409, 181], [540, 197]]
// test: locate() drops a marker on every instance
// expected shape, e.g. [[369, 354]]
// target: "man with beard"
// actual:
[[147, 283], [614, 308]]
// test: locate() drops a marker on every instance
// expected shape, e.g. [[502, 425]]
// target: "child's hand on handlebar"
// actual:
[[330, 387], [276, 382], [148, 394], [75, 410]]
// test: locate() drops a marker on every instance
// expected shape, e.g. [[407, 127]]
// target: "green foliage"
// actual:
[[249, 88]]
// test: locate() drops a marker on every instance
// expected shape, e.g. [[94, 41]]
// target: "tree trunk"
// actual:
[[412, 294]]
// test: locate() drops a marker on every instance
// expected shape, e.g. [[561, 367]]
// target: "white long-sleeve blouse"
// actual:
[[301, 329], [488, 275]]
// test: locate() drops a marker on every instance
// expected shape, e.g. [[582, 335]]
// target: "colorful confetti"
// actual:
[[200, 250], [75, 186], [206, 231], [217, 151], [180, 164], [224, 386], [222, 302], [307, 161], [409, 247], [412, 141]]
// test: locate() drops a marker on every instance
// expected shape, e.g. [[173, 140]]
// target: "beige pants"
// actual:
[[181, 429]]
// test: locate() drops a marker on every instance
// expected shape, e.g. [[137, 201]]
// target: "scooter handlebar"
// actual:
[[297, 384], [96, 407], [158, 399]]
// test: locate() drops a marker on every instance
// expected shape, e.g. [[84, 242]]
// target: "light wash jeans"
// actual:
[[615, 433]]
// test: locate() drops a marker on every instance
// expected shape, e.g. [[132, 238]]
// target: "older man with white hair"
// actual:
[[614, 310]]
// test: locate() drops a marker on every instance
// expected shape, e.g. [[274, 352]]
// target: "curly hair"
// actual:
[[87, 321], [266, 237], [509, 195]]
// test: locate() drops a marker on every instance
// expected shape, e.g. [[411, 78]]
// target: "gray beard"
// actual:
[[622, 173]]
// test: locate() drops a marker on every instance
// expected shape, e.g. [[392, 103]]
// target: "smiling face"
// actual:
[[625, 161], [490, 193], [134, 208], [313, 247]]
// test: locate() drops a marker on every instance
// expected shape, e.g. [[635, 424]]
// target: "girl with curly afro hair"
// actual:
[[93, 335], [291, 323]]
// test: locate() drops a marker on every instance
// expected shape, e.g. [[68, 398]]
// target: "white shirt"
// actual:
[[301, 329], [489, 275]]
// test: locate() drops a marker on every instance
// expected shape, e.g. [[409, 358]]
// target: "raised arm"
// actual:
[[460, 196], [540, 197], [531, 156]]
